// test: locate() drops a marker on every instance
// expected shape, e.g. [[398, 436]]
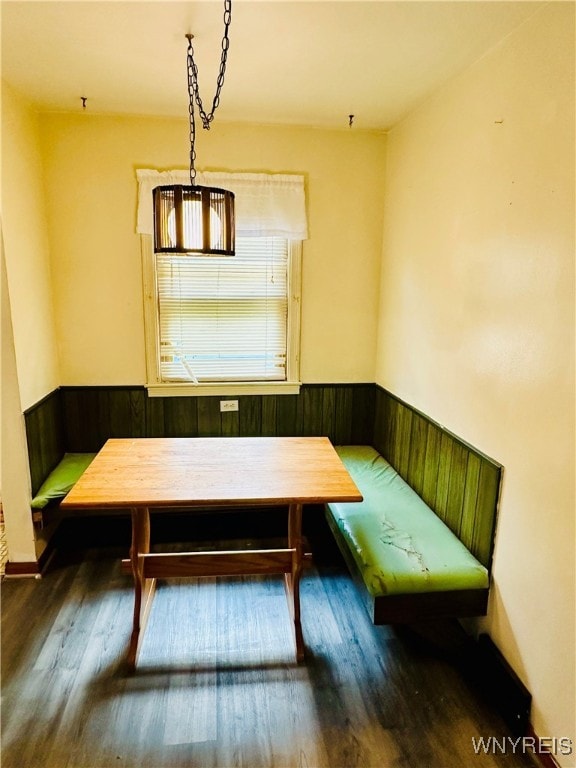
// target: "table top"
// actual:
[[168, 472]]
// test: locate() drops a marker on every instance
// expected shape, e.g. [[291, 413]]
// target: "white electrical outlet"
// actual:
[[228, 405]]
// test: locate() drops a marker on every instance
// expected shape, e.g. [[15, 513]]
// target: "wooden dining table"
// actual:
[[190, 473]]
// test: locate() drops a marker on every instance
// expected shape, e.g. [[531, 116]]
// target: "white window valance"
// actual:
[[266, 204]]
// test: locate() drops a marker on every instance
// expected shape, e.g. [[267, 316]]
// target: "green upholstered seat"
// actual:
[[398, 543], [62, 478]]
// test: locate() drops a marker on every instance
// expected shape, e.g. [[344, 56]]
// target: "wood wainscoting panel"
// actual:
[[45, 437], [91, 415], [457, 481]]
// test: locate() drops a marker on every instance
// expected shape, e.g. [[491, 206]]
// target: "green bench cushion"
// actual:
[[398, 543], [62, 478]]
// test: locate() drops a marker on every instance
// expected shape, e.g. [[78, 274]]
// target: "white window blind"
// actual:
[[224, 318]]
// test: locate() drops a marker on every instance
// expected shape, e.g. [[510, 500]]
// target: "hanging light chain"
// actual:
[[192, 120], [194, 91]]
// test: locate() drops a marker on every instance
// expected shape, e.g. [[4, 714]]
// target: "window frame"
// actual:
[[158, 388]]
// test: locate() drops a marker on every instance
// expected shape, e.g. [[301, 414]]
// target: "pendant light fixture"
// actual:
[[195, 219]]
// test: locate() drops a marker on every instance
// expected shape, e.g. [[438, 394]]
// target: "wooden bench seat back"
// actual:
[[457, 481], [44, 424], [342, 412]]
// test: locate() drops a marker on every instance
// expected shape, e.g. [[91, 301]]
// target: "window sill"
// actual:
[[233, 389]]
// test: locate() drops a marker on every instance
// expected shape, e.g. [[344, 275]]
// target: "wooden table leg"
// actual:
[[292, 580], [143, 588]]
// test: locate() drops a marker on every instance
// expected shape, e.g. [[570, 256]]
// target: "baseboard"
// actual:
[[500, 686], [32, 568], [543, 759], [502, 689]]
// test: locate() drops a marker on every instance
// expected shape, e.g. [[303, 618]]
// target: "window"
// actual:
[[230, 324], [234, 319]]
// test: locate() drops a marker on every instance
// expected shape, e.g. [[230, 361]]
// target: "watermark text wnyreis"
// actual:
[[539, 745]]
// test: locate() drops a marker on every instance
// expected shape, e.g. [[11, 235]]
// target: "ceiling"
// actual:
[[299, 62]]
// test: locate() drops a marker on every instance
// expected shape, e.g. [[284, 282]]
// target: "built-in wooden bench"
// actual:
[[53, 469], [457, 482], [57, 484], [407, 562]]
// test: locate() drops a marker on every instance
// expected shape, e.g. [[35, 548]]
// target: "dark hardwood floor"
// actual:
[[217, 685]]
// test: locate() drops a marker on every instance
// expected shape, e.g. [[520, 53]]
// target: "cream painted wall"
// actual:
[[14, 460], [26, 249], [29, 351], [90, 171], [476, 320]]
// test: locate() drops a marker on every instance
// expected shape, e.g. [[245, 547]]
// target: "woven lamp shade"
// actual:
[[194, 219]]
